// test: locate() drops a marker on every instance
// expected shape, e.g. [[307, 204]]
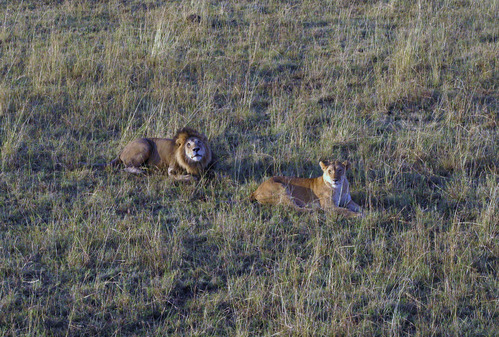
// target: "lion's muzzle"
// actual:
[[198, 154]]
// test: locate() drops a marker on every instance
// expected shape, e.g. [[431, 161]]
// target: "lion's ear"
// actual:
[[178, 142], [347, 164]]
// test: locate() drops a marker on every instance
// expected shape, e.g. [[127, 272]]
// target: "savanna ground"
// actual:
[[405, 90]]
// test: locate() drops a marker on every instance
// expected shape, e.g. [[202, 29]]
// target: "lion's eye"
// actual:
[[188, 144]]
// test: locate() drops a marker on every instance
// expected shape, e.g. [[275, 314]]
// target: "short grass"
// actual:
[[406, 90]]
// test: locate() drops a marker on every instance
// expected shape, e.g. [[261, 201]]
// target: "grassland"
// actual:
[[406, 90]]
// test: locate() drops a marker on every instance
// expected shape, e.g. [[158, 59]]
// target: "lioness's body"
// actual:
[[330, 191], [188, 152]]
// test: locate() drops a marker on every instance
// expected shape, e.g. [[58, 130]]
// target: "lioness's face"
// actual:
[[334, 172], [194, 149]]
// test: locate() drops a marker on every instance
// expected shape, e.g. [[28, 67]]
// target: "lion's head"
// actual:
[[192, 151], [334, 172]]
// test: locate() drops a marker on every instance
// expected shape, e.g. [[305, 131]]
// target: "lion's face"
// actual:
[[334, 172], [192, 153], [195, 149]]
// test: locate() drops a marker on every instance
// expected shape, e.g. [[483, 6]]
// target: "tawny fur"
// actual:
[[330, 191], [167, 154]]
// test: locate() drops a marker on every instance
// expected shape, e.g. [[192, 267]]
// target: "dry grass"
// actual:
[[405, 90]]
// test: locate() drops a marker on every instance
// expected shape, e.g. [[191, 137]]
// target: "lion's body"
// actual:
[[330, 191], [187, 153]]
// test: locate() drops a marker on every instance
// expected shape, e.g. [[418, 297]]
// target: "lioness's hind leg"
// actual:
[[286, 197], [295, 202], [271, 192]]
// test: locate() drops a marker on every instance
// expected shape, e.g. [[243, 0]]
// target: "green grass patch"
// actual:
[[407, 91]]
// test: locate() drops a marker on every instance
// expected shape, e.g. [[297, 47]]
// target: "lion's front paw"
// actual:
[[185, 177]]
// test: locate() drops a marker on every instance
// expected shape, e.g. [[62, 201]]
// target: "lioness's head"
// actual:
[[334, 172]]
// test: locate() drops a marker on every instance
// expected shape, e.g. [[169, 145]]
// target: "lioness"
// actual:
[[188, 152], [330, 191]]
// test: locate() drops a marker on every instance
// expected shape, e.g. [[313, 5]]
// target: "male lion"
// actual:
[[188, 152], [330, 191]]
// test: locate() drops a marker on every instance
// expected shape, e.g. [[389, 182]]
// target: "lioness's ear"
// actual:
[[323, 165], [347, 165]]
